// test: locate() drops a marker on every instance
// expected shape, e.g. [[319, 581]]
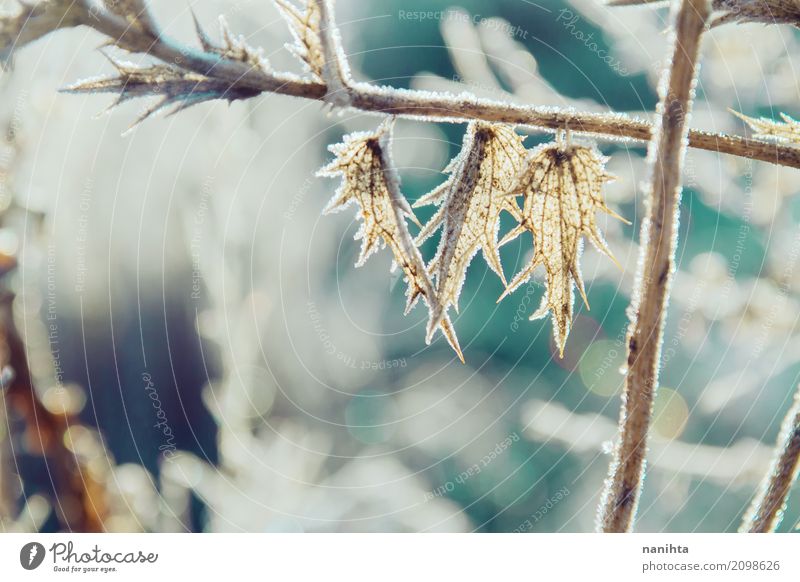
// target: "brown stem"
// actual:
[[418, 104], [656, 267], [766, 511]]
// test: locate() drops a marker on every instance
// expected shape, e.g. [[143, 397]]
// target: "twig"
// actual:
[[415, 104], [656, 267], [766, 511]]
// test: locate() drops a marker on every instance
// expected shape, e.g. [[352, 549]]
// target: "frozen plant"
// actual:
[[559, 184]]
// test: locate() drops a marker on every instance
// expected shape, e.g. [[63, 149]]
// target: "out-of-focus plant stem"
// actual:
[[79, 500]]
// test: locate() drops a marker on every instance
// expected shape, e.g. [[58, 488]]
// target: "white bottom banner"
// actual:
[[401, 557]]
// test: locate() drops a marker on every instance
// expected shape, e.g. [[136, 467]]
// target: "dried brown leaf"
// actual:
[[304, 24], [370, 181], [470, 203], [172, 86], [788, 130], [562, 188]]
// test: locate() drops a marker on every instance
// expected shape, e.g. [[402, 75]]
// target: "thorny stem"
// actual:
[[409, 103], [766, 511], [656, 267]]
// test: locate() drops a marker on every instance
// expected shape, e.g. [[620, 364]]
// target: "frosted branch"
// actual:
[[767, 508], [460, 108], [656, 268]]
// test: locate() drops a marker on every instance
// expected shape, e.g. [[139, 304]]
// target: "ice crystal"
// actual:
[[304, 24], [788, 130], [233, 47]]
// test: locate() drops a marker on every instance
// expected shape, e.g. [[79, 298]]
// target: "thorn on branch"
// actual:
[[173, 86], [233, 47]]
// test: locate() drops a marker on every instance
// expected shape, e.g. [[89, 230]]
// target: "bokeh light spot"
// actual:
[[599, 367], [368, 416], [670, 413]]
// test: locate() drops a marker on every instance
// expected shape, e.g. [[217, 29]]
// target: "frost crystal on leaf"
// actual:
[[304, 25], [789, 130], [561, 185], [470, 203], [233, 47], [174, 87], [369, 179]]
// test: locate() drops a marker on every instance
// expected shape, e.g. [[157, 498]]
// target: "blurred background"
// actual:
[[223, 366]]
